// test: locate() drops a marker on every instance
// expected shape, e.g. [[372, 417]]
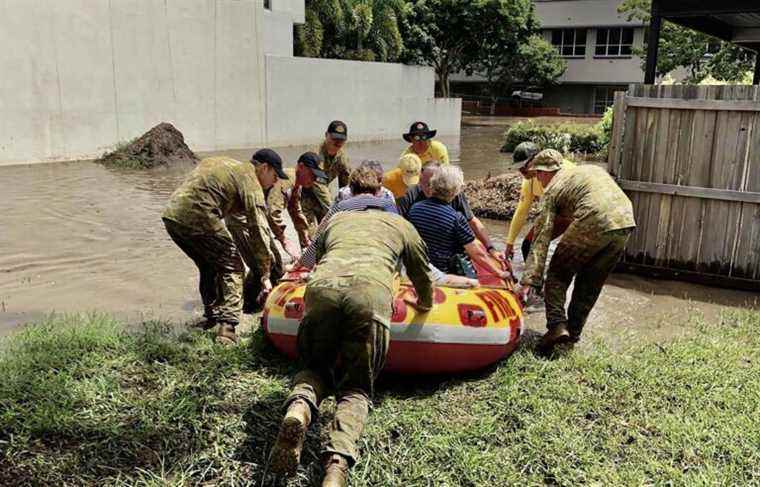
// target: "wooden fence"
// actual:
[[689, 158]]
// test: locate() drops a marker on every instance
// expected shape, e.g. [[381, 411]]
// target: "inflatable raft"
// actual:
[[467, 329]]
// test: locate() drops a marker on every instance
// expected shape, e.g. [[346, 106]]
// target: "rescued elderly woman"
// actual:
[[445, 231]]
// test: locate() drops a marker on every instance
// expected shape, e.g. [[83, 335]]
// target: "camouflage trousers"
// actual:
[[346, 321], [221, 270], [589, 258]]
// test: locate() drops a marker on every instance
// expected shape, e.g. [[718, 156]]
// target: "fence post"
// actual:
[[614, 157]]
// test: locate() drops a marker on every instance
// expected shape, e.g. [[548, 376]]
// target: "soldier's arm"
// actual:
[[322, 192], [534, 269], [275, 205], [344, 171], [418, 267], [296, 214], [258, 227]]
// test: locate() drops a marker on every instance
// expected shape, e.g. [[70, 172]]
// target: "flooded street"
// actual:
[[76, 237]]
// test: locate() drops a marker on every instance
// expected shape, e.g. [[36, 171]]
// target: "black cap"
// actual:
[[337, 130], [523, 154], [419, 131], [312, 161], [268, 156]]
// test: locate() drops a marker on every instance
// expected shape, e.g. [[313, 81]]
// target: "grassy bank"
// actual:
[[82, 401]]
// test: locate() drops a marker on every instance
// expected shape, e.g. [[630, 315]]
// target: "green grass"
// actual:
[[84, 401]]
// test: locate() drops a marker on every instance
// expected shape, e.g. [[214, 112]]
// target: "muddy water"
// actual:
[[76, 236]]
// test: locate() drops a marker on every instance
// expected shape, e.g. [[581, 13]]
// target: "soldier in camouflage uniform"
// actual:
[[348, 308], [334, 163], [206, 217], [591, 246]]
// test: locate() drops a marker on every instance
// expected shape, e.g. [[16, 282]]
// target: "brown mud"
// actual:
[[162, 145], [495, 197]]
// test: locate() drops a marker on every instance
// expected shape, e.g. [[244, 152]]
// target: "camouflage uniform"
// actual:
[[277, 198], [219, 192], [348, 309], [316, 201], [590, 247]]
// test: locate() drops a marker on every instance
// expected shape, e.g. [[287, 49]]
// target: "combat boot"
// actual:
[[555, 336], [336, 471], [286, 453], [225, 334]]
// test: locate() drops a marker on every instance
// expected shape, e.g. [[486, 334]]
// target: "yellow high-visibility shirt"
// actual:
[[394, 181], [436, 151], [531, 190]]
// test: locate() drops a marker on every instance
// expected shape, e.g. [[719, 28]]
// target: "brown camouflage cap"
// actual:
[[548, 160]]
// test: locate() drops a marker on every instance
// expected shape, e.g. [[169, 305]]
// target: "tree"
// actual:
[[351, 29], [681, 47], [467, 35], [516, 53]]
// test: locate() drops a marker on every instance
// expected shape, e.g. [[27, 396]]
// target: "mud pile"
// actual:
[[495, 197], [160, 146]]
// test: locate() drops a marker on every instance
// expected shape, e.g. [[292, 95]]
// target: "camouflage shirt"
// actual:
[[589, 196], [278, 199], [337, 166], [373, 244], [220, 188]]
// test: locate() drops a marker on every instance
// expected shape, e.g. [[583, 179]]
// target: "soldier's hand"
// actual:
[[412, 301], [496, 254]]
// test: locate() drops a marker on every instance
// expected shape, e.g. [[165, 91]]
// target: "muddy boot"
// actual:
[[286, 453], [555, 336], [336, 471], [203, 324], [226, 335]]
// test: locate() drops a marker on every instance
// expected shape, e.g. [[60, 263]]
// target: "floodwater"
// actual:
[[77, 237]]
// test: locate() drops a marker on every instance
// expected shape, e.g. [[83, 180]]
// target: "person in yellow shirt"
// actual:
[[420, 136], [406, 175], [530, 191]]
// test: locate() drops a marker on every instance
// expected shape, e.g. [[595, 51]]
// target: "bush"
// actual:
[[605, 128], [564, 137]]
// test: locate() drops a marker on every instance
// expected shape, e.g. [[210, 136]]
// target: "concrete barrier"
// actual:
[[376, 100], [79, 76]]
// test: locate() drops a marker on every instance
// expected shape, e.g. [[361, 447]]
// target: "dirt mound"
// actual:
[[495, 197], [162, 145]]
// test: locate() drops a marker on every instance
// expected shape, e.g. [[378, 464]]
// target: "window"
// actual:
[[268, 4], [604, 96], [614, 42], [569, 42]]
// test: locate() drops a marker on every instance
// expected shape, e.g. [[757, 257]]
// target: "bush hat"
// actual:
[[419, 131]]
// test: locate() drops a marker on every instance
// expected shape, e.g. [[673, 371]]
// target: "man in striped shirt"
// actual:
[[444, 230]]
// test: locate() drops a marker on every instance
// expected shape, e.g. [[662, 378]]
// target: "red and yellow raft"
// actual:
[[466, 330]]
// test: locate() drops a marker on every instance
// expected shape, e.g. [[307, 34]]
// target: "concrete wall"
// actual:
[[79, 76], [581, 13], [304, 94], [82, 75]]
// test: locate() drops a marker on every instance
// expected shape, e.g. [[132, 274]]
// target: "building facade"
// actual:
[[598, 44]]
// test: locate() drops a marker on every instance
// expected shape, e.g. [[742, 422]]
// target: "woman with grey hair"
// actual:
[[445, 231]]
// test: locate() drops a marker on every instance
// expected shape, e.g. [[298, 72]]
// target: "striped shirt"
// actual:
[[444, 230], [360, 202]]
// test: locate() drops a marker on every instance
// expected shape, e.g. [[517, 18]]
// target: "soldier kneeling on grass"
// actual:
[[602, 222], [348, 305]]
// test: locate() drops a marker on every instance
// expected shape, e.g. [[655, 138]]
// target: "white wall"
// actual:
[[79, 76], [376, 100], [581, 13]]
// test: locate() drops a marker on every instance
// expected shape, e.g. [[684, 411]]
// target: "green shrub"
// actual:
[[604, 127], [564, 137]]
